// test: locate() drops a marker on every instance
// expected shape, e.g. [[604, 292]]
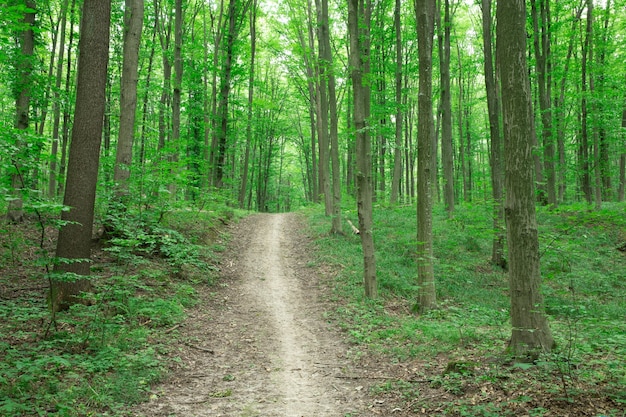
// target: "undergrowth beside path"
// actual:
[[452, 360], [101, 357]]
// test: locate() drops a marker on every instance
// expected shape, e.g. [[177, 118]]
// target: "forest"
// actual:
[[460, 166]]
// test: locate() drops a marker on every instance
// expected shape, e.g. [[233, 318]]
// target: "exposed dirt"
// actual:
[[259, 345]]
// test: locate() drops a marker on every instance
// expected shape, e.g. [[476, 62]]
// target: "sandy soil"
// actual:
[[258, 343]]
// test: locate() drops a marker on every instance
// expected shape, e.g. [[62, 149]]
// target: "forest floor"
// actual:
[[262, 346]]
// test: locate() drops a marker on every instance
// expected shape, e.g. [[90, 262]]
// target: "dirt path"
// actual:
[[259, 345]]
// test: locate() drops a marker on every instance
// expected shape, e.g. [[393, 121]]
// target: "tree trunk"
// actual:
[[24, 64], [531, 333], [74, 242], [323, 108], [542, 48], [583, 152], [246, 157], [622, 159], [327, 59], [447, 158], [397, 153], [176, 96], [56, 108], [493, 106], [133, 22], [359, 18], [425, 16]]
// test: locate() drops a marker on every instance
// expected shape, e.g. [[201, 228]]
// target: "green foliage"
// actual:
[[583, 270]]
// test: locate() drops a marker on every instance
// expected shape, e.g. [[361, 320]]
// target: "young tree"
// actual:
[[359, 18], [531, 333], [74, 242], [425, 13]]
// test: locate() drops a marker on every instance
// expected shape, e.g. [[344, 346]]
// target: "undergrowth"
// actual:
[[583, 268], [100, 357]]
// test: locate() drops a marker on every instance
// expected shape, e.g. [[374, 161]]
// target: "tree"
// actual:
[[446, 111], [495, 157], [133, 22], [74, 243], [425, 12], [531, 333], [397, 152], [359, 18], [15, 211]]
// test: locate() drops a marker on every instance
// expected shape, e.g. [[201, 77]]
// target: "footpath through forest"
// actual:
[[258, 344]]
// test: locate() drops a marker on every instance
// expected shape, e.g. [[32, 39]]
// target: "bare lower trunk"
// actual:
[[425, 14]]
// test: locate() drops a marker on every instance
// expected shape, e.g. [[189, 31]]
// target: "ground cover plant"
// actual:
[[102, 356], [452, 361]]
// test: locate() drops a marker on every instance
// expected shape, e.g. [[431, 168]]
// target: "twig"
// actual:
[[171, 329], [385, 378], [199, 348]]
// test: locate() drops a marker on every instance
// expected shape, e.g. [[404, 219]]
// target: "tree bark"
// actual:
[[531, 333], [493, 106], [74, 242], [133, 23], [359, 18], [425, 16]]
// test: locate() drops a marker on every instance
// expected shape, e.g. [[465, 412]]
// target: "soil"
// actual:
[[258, 344]]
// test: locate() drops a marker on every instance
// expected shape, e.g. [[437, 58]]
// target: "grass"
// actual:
[[100, 358], [584, 271]]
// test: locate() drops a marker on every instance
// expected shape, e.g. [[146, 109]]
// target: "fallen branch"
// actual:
[[354, 229]]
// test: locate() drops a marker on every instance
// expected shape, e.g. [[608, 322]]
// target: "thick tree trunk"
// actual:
[[531, 333], [425, 16], [583, 152], [622, 159], [495, 157], [176, 96], [74, 242], [359, 18], [133, 23]]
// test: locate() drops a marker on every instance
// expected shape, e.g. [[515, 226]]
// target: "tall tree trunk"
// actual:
[[67, 110], [543, 57], [74, 242], [359, 20], [323, 108], [133, 23], [559, 107], [622, 159], [15, 212], [176, 96], [327, 61], [583, 152], [246, 157], [425, 16], [447, 158], [56, 108], [495, 157], [530, 331], [397, 152]]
